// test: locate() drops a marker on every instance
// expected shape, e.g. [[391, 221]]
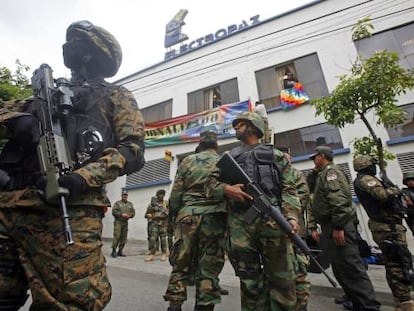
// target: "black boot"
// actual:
[[204, 308], [174, 307], [113, 254], [121, 253]]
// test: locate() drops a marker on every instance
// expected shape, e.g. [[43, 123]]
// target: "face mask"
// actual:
[[75, 53]]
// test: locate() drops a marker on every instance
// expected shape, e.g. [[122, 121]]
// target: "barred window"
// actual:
[[153, 171]]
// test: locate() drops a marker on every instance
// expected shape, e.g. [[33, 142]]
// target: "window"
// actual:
[[213, 96], [157, 112], [303, 141], [147, 174], [306, 70], [400, 40], [405, 129]]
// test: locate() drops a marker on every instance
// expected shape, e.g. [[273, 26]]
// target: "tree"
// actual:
[[14, 85], [373, 85]]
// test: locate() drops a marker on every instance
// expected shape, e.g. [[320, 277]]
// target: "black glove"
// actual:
[[74, 183], [25, 130]]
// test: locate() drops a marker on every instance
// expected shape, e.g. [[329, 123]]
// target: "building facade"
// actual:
[[247, 61]]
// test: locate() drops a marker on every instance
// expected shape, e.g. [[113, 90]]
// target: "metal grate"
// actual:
[[406, 161], [153, 171]]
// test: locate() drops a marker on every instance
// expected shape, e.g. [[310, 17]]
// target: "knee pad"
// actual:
[[245, 265]]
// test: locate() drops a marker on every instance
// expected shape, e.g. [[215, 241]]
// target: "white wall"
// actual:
[[310, 30]]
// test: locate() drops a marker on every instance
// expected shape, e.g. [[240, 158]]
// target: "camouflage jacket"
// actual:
[[290, 202], [123, 115], [332, 199], [121, 207], [157, 211], [188, 194]]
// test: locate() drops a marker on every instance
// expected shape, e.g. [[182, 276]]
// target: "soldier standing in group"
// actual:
[[158, 212], [303, 285], [200, 226], [122, 211], [105, 134], [260, 253], [387, 229], [408, 180], [332, 208]]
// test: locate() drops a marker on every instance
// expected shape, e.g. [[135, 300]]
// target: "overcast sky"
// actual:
[[34, 31]]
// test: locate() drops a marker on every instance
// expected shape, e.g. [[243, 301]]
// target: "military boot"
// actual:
[[204, 308], [174, 307], [121, 253], [150, 257], [114, 254], [407, 305]]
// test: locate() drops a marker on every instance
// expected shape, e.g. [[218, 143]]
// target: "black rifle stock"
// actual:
[[53, 152], [263, 207]]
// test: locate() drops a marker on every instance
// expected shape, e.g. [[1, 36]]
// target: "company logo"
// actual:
[[173, 34]]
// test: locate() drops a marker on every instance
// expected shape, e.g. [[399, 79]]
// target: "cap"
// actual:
[[161, 191], [208, 137], [407, 176], [321, 150], [124, 192]]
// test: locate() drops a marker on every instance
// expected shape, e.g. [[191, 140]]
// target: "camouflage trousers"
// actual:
[[394, 269], [158, 235], [264, 261], [34, 255], [120, 234], [303, 285], [198, 239]]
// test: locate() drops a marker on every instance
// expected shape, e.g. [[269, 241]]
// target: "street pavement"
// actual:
[[139, 285], [134, 261]]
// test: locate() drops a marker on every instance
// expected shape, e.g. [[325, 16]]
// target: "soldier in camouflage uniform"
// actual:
[[260, 253], [122, 211], [34, 254], [200, 226], [386, 226], [158, 212], [332, 208], [303, 285], [408, 181]]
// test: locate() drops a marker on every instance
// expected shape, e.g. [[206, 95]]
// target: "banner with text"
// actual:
[[188, 128]]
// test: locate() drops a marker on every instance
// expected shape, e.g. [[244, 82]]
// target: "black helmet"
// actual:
[[105, 44]]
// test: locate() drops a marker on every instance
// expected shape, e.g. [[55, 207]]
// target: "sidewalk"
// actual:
[[135, 251]]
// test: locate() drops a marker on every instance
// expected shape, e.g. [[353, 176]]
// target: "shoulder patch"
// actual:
[[371, 183], [331, 176]]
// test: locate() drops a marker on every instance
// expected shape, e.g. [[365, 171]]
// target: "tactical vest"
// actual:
[[259, 164], [375, 209], [87, 129]]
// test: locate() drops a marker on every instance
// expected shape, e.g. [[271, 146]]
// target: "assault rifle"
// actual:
[[262, 207], [52, 103], [399, 204]]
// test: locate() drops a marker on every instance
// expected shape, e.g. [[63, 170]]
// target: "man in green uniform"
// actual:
[[260, 253], [408, 181], [387, 229], [122, 211], [105, 135], [158, 212], [333, 209], [200, 226]]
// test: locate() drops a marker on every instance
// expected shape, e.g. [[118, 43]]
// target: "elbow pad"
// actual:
[[134, 162]]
